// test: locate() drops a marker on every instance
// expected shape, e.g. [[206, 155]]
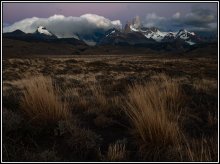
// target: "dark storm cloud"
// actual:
[[198, 19], [59, 16]]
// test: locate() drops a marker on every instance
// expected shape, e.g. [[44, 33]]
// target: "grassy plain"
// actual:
[[110, 108]]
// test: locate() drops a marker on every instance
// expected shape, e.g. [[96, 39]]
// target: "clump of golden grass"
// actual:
[[150, 107], [116, 151], [171, 92], [42, 101]]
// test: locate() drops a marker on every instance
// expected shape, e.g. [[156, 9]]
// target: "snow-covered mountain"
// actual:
[[189, 37], [41, 35], [152, 33], [118, 37], [43, 32], [155, 34], [161, 36], [134, 33]]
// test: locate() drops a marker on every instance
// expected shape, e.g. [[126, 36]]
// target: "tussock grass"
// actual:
[[172, 93], [150, 107], [42, 101]]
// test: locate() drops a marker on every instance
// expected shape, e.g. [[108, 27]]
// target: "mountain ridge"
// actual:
[[133, 34]]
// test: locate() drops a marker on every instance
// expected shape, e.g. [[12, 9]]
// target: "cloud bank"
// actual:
[[199, 19], [65, 27], [90, 27]]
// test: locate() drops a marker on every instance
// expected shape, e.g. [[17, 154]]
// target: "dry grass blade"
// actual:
[[42, 102], [149, 106], [116, 152]]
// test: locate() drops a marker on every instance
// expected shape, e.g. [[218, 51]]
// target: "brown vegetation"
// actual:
[[154, 110], [42, 102], [149, 108], [110, 108]]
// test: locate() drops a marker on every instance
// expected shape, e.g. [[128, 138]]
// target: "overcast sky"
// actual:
[[192, 16]]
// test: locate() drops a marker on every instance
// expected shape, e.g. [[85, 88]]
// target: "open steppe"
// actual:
[[110, 108]]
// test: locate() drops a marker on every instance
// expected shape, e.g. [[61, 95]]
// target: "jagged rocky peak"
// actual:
[[133, 25], [127, 27], [184, 31], [136, 22]]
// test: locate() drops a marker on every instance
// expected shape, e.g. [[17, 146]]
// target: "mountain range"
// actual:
[[133, 34]]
